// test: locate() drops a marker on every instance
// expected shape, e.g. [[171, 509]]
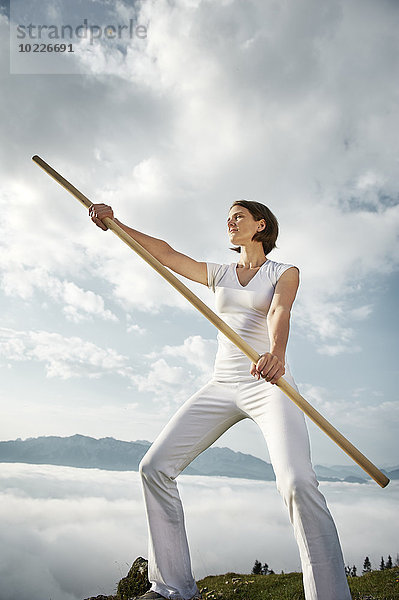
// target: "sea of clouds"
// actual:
[[66, 533]]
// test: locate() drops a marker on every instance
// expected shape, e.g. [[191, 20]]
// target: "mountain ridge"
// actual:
[[116, 455]]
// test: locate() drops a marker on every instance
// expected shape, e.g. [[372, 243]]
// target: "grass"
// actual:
[[377, 585], [234, 586]]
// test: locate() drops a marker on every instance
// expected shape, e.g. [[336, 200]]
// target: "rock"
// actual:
[[136, 582]]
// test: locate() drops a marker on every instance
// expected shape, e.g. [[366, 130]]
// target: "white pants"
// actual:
[[195, 426]]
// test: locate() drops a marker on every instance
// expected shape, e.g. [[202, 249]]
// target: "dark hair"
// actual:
[[268, 235]]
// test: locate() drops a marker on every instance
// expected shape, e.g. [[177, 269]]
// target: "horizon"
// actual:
[[215, 445]]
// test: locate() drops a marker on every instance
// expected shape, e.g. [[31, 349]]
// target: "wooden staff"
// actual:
[[307, 408]]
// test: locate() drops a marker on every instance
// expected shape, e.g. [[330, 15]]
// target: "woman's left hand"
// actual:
[[269, 366]]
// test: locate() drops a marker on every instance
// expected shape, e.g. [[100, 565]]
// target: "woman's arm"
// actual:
[[271, 365], [178, 262]]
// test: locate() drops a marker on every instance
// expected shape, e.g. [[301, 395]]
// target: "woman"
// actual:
[[254, 296]]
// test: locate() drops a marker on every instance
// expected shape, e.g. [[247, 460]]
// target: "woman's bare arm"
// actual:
[[271, 365], [178, 262]]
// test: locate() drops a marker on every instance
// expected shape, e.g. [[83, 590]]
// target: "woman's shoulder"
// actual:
[[274, 269], [215, 273], [276, 265], [215, 267]]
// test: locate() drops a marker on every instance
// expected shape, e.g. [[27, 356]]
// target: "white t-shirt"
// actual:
[[245, 309]]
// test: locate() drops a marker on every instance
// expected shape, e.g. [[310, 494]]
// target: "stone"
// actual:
[[136, 582]]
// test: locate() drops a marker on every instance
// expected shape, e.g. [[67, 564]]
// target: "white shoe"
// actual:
[[151, 595]]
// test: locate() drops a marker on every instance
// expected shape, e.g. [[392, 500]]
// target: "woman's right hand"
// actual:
[[97, 212]]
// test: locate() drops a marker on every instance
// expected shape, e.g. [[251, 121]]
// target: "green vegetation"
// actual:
[[372, 585], [375, 585], [234, 586]]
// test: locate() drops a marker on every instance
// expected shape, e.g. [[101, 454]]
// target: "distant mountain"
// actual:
[[393, 474], [75, 451], [339, 472], [350, 473], [114, 455]]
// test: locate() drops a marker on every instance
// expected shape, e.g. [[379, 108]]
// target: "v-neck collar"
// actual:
[[253, 276]]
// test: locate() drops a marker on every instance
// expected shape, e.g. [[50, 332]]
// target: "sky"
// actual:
[[293, 104], [61, 520]]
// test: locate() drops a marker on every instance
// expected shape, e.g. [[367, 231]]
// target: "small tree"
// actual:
[[266, 571], [257, 568], [382, 564], [389, 562], [351, 572], [367, 565]]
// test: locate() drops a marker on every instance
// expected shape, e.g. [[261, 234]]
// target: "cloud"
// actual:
[[169, 384], [174, 383], [292, 105], [258, 98], [136, 329], [59, 521], [327, 307], [300, 105], [30, 258], [63, 357], [77, 304], [65, 519], [368, 420], [360, 406], [195, 350]]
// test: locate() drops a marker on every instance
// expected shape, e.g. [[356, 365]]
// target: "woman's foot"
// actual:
[[151, 595]]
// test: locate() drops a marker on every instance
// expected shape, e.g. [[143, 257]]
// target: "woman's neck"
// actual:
[[252, 257]]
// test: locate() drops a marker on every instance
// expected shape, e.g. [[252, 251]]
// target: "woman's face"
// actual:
[[242, 226]]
